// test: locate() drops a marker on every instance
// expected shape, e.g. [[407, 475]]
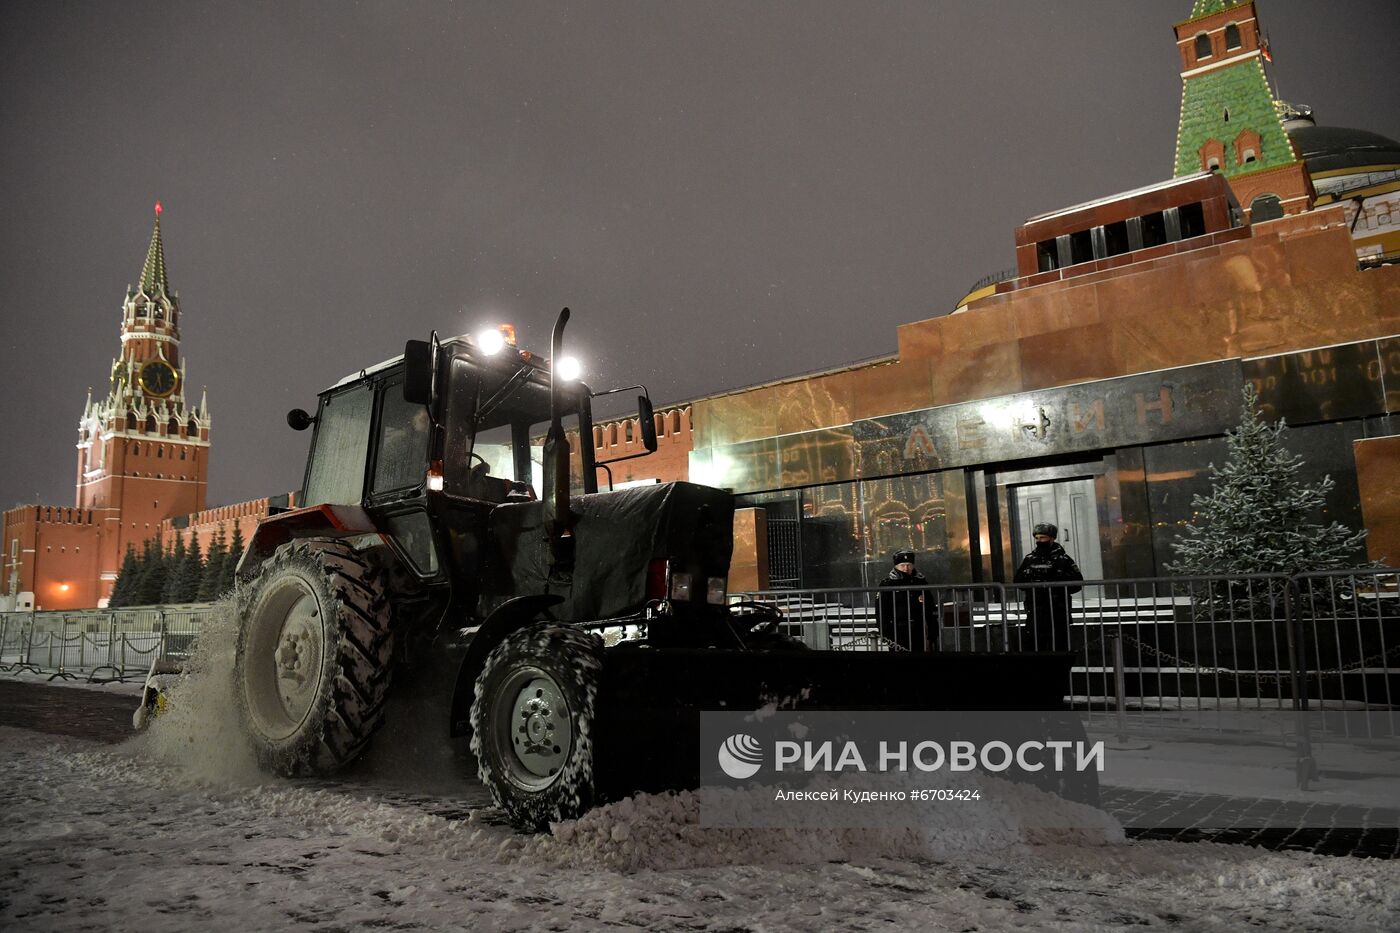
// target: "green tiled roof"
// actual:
[[1242, 90], [1206, 7], [153, 272]]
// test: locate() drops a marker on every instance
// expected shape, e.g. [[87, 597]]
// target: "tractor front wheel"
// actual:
[[532, 724]]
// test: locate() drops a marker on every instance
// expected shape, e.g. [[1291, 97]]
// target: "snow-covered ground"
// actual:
[[101, 838], [1355, 774], [178, 830]]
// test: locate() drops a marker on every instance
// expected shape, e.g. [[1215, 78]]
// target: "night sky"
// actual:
[[724, 193]]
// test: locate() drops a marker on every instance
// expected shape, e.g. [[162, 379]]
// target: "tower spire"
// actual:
[[153, 272]]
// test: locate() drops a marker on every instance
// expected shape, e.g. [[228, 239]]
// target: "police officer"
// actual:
[[907, 618], [1047, 607]]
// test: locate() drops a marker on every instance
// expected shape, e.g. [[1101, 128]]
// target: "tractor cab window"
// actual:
[[495, 452], [496, 419], [538, 433], [336, 473], [401, 459]]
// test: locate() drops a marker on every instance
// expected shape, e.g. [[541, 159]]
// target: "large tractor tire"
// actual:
[[313, 662], [532, 723]]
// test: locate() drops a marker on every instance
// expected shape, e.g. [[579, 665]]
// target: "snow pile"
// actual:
[[199, 733], [664, 831]]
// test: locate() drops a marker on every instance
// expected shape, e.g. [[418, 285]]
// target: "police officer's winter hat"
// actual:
[[903, 557], [1045, 528]]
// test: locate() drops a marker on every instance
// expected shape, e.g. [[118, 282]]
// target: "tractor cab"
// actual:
[[421, 448]]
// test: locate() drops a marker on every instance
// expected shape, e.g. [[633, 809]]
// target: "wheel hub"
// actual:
[[539, 728], [298, 656]]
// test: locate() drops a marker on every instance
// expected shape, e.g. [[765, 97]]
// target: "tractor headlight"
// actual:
[[714, 591], [491, 341], [680, 586]]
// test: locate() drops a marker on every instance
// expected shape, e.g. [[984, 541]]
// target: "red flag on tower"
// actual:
[[1264, 51]]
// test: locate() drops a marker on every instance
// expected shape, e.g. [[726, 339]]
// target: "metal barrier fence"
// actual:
[[1320, 641], [1326, 642], [99, 644]]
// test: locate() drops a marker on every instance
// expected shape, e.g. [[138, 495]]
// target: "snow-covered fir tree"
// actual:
[[1261, 515]]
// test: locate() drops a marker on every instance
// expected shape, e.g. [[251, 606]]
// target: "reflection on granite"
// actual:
[[1293, 286], [748, 568], [1320, 385], [1377, 466]]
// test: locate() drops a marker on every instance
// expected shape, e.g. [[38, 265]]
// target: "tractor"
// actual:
[[450, 519]]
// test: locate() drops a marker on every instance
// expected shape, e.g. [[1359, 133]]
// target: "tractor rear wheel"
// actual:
[[313, 662], [533, 723]]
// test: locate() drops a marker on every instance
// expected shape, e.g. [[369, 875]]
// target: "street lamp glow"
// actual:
[[491, 341], [568, 368]]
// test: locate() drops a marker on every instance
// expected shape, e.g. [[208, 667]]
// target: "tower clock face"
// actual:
[[158, 378]]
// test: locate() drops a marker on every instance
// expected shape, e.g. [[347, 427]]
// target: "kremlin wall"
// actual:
[[1090, 386]]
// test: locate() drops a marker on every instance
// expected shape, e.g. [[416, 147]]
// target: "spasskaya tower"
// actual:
[[143, 450]]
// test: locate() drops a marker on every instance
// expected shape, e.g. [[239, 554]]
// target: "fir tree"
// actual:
[[125, 586], [235, 553], [1260, 517], [188, 574], [175, 563], [152, 575], [211, 582]]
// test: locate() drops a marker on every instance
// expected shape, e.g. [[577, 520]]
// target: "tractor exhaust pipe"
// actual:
[[556, 459]]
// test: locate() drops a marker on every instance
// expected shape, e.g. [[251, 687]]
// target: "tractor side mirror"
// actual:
[[647, 417], [299, 420], [418, 372]]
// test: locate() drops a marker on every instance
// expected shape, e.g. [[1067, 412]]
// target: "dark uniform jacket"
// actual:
[[908, 619], [1047, 608]]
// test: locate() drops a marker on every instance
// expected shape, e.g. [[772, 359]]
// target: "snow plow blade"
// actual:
[[649, 702]]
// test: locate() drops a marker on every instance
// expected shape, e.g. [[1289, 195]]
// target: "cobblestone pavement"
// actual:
[[86, 714], [105, 717], [1305, 827]]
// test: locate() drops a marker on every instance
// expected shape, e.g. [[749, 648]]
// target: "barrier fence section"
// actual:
[[1325, 642], [99, 644]]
